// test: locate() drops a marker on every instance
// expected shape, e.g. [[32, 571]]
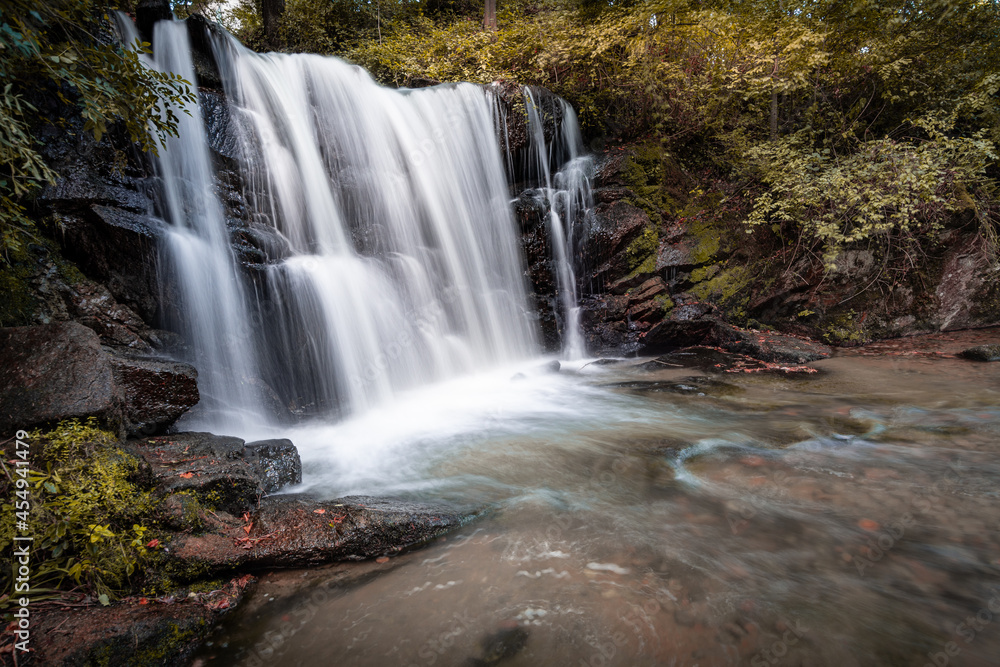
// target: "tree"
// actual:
[[490, 15], [66, 49]]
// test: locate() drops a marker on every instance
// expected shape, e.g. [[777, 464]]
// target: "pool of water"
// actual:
[[663, 517]]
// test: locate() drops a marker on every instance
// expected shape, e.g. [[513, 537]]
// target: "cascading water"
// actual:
[[569, 200], [196, 252], [403, 265]]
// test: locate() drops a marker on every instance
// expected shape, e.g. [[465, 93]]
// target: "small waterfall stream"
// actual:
[[569, 199]]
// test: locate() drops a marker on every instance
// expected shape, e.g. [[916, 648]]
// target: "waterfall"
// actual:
[[403, 266], [569, 202]]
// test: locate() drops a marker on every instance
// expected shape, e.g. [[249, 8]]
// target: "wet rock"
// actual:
[[500, 646], [297, 531], [276, 463], [420, 82], [210, 467], [54, 372], [616, 225], [116, 248], [711, 332], [690, 386], [222, 471], [93, 306], [982, 353], [156, 391], [148, 12], [134, 633]]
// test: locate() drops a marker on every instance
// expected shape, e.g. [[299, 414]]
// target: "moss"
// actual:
[[644, 172], [20, 268], [18, 304], [844, 330], [666, 303], [720, 284], [707, 242], [641, 253]]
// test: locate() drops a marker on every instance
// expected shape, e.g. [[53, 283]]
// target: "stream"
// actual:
[[664, 517]]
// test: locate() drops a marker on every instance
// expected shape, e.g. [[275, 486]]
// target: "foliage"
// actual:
[[886, 189], [88, 515], [66, 49]]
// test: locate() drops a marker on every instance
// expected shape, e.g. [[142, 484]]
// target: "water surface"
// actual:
[[846, 517]]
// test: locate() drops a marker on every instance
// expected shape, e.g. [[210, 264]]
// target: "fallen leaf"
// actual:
[[143, 601], [152, 544], [319, 511], [869, 525], [382, 559], [187, 475]]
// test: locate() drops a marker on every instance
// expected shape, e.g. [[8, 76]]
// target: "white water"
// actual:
[[569, 199]]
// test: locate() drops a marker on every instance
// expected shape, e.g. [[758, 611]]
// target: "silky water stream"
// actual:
[[671, 517]]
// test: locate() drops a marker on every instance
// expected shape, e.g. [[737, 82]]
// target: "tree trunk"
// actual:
[[490, 15], [271, 11]]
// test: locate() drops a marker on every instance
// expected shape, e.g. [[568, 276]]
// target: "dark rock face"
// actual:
[[296, 531], [672, 334], [54, 372], [276, 463], [147, 13], [117, 248], [156, 391], [220, 470]]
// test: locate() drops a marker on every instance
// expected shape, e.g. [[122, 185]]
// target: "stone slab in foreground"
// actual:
[[297, 531]]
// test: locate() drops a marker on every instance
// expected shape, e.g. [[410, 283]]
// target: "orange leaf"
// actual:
[[869, 525], [382, 559], [187, 475], [319, 511]]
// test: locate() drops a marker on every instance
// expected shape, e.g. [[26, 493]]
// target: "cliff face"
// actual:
[[661, 254]]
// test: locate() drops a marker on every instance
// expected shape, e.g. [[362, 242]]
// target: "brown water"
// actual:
[[848, 517]]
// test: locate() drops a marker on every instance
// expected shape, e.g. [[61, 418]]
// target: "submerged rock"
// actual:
[[690, 386], [982, 353], [717, 360]]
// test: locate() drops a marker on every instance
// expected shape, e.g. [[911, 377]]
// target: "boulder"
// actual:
[[54, 372], [222, 471], [982, 353], [156, 391], [299, 531], [708, 331], [276, 463]]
